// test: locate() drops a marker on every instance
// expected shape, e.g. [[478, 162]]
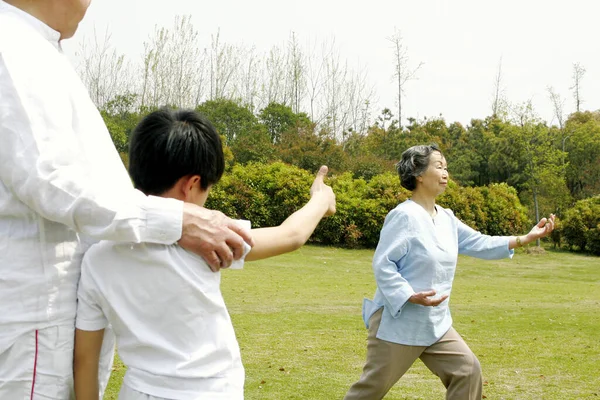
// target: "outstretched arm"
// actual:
[[298, 227], [540, 230], [88, 345]]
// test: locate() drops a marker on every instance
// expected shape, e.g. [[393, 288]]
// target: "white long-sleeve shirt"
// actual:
[[418, 253], [61, 180]]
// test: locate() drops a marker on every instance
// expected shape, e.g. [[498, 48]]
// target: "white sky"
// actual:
[[460, 43]]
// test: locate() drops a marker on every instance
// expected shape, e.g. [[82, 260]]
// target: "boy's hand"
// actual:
[[324, 192], [213, 236]]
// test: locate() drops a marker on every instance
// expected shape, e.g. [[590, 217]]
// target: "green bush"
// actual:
[[467, 203], [342, 229], [267, 193], [504, 213], [580, 226], [493, 209]]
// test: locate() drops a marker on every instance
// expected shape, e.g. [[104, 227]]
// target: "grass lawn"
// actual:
[[534, 323]]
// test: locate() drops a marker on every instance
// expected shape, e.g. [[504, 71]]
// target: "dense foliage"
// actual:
[[506, 172], [267, 193], [580, 227]]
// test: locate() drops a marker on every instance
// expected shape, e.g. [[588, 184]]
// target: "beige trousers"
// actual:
[[449, 358]]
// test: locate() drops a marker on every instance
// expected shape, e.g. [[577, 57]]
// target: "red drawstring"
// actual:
[[34, 364]]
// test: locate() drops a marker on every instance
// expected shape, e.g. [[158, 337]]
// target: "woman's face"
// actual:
[[435, 178]]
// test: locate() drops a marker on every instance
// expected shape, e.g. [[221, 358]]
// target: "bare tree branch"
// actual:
[[402, 71], [578, 73], [499, 103]]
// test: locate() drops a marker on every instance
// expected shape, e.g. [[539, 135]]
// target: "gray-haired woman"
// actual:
[[414, 266]]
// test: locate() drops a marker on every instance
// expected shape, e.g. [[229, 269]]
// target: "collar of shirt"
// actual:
[[48, 33], [423, 211]]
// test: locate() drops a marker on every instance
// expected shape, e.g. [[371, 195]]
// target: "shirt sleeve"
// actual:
[[90, 316], [239, 264], [476, 244], [46, 165], [393, 246]]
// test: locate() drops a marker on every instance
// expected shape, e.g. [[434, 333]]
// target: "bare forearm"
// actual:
[[86, 380], [85, 363], [519, 241], [291, 234], [303, 222], [542, 229]]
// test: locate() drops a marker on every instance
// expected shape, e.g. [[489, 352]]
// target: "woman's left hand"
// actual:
[[542, 229]]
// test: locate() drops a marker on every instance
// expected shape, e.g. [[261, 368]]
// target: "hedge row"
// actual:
[[267, 193], [579, 228]]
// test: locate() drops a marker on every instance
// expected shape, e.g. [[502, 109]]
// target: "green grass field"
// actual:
[[534, 323]]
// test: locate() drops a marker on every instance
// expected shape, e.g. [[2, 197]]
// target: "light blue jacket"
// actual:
[[418, 253]]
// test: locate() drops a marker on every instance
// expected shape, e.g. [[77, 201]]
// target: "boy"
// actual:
[[164, 303]]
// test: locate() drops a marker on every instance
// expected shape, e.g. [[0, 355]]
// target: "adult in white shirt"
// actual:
[[62, 185]]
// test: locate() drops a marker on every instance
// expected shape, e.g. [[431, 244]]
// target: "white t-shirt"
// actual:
[[172, 327]]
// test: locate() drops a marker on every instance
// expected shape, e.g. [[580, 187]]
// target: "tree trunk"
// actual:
[[537, 211]]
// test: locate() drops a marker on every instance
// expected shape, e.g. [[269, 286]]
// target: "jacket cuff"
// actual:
[[399, 299], [164, 220]]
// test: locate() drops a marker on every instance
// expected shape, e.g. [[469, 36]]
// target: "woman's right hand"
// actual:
[[425, 298]]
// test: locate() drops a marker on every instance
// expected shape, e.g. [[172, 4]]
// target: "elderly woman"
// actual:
[[414, 266]]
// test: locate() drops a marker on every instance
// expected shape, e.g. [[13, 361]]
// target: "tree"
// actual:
[[172, 66], [249, 85], [273, 86], [578, 73], [358, 98], [541, 170], [186, 63], [558, 104], [155, 70], [499, 103], [336, 73], [231, 119], [402, 71], [121, 116], [104, 71], [314, 76], [253, 147], [471, 163], [295, 72], [224, 64], [583, 154], [345, 96], [309, 150], [386, 118], [279, 118]]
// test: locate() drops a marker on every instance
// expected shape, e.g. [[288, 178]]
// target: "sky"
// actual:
[[459, 42]]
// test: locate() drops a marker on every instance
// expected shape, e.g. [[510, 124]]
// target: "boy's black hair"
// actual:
[[169, 144]]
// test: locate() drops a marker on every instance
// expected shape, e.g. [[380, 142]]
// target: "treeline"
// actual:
[[546, 168], [301, 104], [182, 67]]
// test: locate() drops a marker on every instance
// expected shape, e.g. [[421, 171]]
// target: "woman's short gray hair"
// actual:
[[413, 163]]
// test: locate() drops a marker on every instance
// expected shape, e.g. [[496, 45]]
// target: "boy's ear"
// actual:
[[190, 183]]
